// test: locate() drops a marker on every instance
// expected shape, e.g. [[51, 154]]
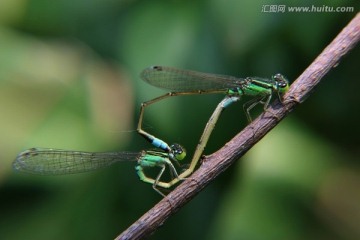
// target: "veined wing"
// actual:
[[174, 79], [55, 161]]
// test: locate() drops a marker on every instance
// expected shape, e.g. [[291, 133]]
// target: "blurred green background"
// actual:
[[69, 79]]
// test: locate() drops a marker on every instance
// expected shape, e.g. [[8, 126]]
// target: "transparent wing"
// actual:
[[174, 79], [55, 161]]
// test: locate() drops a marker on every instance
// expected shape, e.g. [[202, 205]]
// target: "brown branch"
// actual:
[[219, 161]]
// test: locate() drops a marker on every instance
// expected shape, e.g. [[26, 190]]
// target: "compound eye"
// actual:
[[281, 82], [178, 151], [279, 77]]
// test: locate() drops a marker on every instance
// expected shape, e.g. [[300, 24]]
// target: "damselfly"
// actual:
[[46, 161]]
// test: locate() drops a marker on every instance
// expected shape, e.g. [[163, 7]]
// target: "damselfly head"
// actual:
[[282, 84], [178, 151]]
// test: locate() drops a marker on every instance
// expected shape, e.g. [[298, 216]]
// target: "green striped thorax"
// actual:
[[254, 86]]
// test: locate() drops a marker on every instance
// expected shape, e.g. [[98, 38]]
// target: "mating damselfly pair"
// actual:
[[180, 82]]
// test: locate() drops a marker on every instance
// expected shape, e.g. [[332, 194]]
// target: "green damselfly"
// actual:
[[46, 161], [186, 82]]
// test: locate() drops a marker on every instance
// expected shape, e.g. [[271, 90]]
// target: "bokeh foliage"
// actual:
[[69, 78]]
